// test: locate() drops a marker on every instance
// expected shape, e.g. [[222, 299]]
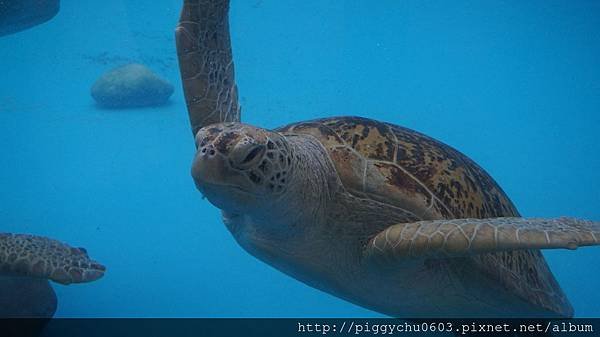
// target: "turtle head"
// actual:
[[239, 168]]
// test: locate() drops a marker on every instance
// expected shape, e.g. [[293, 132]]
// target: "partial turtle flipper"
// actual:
[[462, 237], [18, 15], [41, 257], [206, 64]]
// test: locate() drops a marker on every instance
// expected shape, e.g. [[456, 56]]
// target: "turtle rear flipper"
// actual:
[[41, 257]]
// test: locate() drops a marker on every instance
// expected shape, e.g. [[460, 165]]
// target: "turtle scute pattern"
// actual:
[[405, 168], [35, 256]]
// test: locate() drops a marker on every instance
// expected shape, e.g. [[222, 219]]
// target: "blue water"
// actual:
[[514, 85]]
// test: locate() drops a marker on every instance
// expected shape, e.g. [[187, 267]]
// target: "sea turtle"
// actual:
[[27, 262], [374, 213]]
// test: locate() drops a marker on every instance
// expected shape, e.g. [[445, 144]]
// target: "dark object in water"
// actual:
[[32, 301], [131, 85], [18, 15], [26, 297]]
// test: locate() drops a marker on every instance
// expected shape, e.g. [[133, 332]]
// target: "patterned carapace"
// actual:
[[407, 169]]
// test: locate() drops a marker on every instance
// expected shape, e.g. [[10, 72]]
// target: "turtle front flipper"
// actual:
[[462, 237], [206, 64], [41, 257]]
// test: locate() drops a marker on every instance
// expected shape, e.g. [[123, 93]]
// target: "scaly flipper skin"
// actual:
[[41, 257], [463, 237], [206, 64]]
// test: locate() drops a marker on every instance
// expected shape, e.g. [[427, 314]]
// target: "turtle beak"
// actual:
[[209, 168], [223, 185], [228, 168]]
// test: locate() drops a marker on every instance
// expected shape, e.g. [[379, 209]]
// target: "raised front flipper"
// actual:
[[461, 237], [40, 257], [206, 64]]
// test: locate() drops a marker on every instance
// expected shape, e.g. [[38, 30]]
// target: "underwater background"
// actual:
[[514, 85]]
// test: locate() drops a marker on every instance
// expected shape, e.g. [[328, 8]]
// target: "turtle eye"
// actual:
[[247, 156], [253, 154]]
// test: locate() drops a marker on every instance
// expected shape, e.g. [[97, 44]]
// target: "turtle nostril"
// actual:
[[212, 152]]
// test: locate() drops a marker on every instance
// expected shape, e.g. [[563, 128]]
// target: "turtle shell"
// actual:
[[430, 179], [406, 169]]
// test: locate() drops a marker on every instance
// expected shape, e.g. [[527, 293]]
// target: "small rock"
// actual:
[[132, 85]]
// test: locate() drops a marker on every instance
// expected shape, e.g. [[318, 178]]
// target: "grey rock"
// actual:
[[26, 297], [18, 15], [132, 85]]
